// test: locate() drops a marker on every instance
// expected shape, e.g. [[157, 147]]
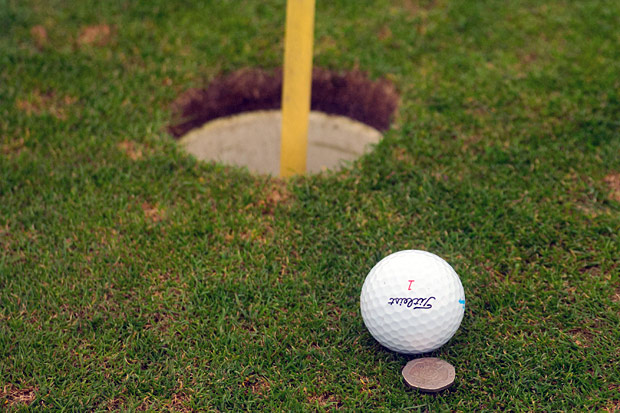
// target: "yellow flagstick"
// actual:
[[297, 86]]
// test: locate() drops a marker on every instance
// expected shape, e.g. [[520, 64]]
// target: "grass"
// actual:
[[135, 277]]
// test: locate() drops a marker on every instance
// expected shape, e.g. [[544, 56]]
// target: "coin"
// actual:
[[429, 374]]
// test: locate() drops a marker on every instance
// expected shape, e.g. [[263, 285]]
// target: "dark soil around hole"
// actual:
[[350, 94]]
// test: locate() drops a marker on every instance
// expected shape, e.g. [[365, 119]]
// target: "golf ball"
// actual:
[[412, 302]]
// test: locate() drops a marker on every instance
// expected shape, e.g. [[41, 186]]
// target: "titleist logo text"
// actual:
[[422, 303]]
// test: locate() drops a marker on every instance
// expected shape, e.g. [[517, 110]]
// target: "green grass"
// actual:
[[133, 276]]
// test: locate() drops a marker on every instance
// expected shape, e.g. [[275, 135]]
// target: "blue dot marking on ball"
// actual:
[[462, 302]]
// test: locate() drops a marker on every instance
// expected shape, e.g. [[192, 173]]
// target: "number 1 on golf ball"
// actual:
[[412, 302]]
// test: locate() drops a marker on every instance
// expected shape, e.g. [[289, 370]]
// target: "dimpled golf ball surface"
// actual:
[[412, 302]]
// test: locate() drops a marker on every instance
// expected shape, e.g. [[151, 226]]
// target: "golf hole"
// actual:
[[237, 121]]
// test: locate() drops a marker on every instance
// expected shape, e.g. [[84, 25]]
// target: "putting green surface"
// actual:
[[134, 277]]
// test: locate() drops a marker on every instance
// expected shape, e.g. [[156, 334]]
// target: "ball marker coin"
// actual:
[[429, 374]]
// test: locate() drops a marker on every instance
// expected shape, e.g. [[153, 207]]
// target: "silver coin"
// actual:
[[429, 374]]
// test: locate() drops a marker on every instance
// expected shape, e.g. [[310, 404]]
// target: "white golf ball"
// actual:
[[412, 302]]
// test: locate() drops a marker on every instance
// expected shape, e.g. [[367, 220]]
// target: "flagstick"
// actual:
[[297, 86]]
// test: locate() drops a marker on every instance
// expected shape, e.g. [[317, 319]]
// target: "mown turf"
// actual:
[[134, 277]]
